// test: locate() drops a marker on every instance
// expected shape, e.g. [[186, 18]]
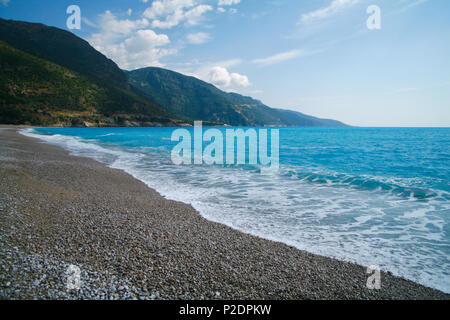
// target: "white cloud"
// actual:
[[198, 38], [280, 57], [166, 14], [335, 7], [166, 7], [217, 73], [193, 16], [146, 39], [144, 49], [129, 11], [111, 25], [4, 2], [88, 22], [240, 80], [129, 42], [228, 2], [222, 78]]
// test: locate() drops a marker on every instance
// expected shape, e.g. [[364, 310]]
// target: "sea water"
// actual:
[[374, 196]]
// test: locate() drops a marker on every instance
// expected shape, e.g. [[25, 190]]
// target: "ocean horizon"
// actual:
[[373, 196]]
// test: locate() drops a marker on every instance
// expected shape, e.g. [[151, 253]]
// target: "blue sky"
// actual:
[[313, 56]]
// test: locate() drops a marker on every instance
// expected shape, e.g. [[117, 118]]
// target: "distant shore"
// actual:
[[131, 243]]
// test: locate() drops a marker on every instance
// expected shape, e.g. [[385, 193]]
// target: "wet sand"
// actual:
[[129, 242]]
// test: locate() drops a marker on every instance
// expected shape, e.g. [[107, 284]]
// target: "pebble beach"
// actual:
[[129, 242]]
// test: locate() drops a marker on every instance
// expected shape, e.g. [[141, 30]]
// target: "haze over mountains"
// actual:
[[49, 76]]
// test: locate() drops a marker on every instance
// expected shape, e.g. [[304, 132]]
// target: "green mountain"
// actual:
[[49, 76], [63, 48], [193, 99], [40, 86]]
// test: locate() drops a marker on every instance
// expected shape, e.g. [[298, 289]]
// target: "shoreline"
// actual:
[[130, 242]]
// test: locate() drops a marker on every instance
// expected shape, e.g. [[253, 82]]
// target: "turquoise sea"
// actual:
[[375, 196]]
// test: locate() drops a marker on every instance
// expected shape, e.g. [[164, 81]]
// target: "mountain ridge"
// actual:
[[61, 47], [36, 91], [73, 84], [96, 92], [194, 99]]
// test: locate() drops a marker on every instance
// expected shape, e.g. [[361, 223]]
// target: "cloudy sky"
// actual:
[[314, 56]]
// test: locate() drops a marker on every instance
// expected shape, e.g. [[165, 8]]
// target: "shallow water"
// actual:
[[375, 196]]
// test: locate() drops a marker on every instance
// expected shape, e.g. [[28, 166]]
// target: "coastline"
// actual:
[[130, 242]]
